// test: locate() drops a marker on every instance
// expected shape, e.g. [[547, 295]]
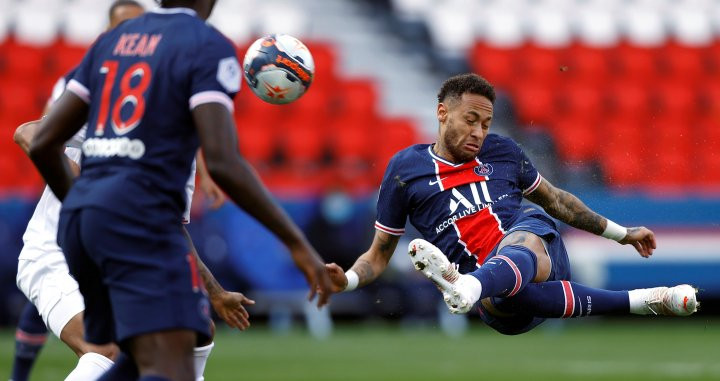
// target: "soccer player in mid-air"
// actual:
[[464, 195], [43, 274], [150, 90]]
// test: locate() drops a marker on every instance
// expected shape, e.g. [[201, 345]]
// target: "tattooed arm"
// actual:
[[569, 209], [228, 305], [368, 266]]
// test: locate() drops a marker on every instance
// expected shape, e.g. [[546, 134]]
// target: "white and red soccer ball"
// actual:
[[278, 68]]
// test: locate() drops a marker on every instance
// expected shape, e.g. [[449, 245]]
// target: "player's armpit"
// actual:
[[370, 265], [567, 208]]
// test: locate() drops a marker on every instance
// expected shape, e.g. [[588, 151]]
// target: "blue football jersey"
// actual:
[[463, 209], [142, 80]]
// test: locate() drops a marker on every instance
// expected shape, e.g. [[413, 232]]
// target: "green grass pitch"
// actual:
[[587, 349]]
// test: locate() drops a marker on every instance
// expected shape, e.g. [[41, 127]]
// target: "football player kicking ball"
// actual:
[[464, 195], [43, 274], [150, 90]]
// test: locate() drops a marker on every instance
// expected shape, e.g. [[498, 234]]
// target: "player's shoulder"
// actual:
[[495, 144], [411, 153], [408, 159]]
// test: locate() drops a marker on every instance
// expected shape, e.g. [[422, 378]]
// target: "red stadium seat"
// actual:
[[359, 99], [628, 100], [589, 65], [675, 99], [22, 61], [352, 141], [304, 142], [576, 138], [257, 141], [685, 63], [534, 103], [496, 64], [580, 98], [636, 64], [397, 134], [541, 64], [64, 57], [20, 101]]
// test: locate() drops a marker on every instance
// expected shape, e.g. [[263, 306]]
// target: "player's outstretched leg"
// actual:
[[563, 299], [30, 337], [505, 274]]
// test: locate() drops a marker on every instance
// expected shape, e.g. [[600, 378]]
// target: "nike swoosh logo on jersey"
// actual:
[[437, 181]]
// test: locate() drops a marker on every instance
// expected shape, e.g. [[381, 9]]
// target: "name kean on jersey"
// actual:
[[136, 45]]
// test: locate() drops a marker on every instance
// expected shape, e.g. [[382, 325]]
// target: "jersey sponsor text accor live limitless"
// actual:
[[463, 209]]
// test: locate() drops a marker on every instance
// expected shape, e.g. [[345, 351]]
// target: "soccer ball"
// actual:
[[278, 68]]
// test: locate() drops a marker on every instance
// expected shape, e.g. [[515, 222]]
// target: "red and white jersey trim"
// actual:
[[389, 230], [79, 89], [534, 185], [212, 97]]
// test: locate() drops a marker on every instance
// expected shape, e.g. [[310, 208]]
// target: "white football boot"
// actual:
[[671, 301], [460, 292]]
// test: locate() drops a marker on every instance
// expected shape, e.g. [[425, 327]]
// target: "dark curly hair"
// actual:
[[454, 87]]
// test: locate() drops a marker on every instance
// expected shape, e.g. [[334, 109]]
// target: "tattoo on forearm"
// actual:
[[575, 213], [211, 284], [364, 271]]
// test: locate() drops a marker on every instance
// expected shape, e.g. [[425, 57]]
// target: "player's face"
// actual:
[[464, 123], [125, 12]]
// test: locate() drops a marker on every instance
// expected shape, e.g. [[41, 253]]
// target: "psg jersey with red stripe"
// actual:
[[463, 209]]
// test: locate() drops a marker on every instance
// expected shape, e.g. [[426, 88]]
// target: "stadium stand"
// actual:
[[627, 83]]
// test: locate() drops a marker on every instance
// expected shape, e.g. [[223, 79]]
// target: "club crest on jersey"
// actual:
[[483, 170]]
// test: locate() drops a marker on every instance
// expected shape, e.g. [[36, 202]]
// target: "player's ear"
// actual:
[[442, 112]]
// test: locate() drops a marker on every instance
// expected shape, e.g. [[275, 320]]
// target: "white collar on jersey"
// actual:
[[437, 157], [169, 11]]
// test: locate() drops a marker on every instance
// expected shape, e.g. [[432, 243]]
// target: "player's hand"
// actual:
[[229, 306], [642, 238], [212, 192], [308, 261], [337, 276]]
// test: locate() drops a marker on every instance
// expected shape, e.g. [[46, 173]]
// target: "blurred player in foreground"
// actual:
[[43, 274], [464, 195], [147, 89]]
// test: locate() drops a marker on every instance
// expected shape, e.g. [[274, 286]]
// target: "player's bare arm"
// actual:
[[369, 265], [234, 175], [228, 305], [568, 208], [208, 186], [24, 135], [46, 150]]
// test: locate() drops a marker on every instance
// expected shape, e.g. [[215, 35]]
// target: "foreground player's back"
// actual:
[[141, 80]]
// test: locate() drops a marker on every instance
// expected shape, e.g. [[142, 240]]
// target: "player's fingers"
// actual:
[[243, 322], [638, 246], [313, 291], [247, 300]]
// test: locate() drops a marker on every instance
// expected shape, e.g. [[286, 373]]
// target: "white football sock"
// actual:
[[470, 284], [201, 354], [90, 367], [638, 301]]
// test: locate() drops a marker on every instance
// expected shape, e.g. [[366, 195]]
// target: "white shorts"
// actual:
[[46, 281]]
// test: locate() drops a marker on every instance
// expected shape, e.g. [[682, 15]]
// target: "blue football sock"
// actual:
[[507, 273], [563, 299], [123, 369], [30, 337]]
